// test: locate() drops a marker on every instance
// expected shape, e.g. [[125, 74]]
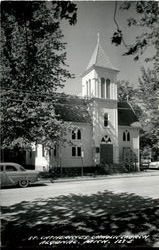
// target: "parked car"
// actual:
[[12, 174], [154, 165], [145, 164]]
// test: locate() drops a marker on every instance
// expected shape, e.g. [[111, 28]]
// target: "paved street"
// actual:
[[145, 186]]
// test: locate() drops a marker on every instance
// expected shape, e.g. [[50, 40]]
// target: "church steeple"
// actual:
[[99, 78], [99, 58]]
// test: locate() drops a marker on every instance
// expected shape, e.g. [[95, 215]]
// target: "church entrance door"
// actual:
[[106, 153]]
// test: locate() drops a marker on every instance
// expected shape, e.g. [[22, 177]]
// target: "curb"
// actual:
[[101, 177]]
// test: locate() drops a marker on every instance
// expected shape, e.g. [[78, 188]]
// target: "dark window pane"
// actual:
[[55, 151], [128, 136], [109, 140], [108, 88], [105, 120], [102, 88], [79, 151], [73, 151], [79, 135], [43, 151], [10, 168], [73, 135], [1, 168], [124, 136]]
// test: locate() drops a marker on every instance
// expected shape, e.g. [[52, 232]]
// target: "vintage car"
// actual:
[[154, 165], [12, 174]]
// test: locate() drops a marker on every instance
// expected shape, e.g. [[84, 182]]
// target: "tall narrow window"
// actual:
[[73, 151], [73, 135], [79, 134], [124, 136], [43, 151], [128, 136], [79, 151], [76, 151], [105, 120], [102, 88], [55, 150], [108, 88], [87, 90]]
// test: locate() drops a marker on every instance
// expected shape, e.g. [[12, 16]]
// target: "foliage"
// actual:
[[146, 17], [33, 67], [149, 95], [126, 93]]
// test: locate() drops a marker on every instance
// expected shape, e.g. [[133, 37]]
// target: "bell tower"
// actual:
[[99, 85], [99, 78]]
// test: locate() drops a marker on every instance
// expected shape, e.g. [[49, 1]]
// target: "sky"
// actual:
[[95, 17]]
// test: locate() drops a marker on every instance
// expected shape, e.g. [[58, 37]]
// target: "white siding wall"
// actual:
[[99, 130], [67, 160], [133, 143]]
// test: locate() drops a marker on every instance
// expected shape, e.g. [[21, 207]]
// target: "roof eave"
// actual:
[[98, 67]]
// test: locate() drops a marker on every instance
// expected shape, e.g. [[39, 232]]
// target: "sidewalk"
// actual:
[[102, 177]]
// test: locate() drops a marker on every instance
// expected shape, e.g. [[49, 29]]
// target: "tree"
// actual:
[[147, 16], [33, 67], [149, 96], [126, 93]]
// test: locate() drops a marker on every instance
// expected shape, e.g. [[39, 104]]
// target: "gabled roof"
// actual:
[[73, 109], [100, 59], [126, 115]]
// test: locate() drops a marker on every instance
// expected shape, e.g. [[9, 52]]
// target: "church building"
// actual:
[[104, 131]]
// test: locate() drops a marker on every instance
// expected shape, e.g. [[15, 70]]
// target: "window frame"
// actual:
[[76, 151], [126, 136], [76, 134], [13, 167], [103, 87], [108, 88], [106, 120]]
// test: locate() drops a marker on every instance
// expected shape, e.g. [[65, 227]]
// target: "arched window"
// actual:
[[124, 136], [128, 136], [102, 88], [108, 88], [106, 139], [73, 135], [109, 140], [105, 120], [79, 134], [76, 134]]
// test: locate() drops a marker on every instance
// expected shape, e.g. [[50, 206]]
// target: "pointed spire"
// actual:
[[98, 35], [99, 58]]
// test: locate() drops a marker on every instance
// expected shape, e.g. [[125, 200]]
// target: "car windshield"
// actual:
[[22, 169]]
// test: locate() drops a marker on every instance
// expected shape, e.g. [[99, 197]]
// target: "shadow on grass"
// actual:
[[101, 214]]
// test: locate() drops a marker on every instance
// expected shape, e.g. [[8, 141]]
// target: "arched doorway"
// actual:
[[106, 150]]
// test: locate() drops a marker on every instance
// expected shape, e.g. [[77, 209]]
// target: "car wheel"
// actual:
[[23, 183]]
